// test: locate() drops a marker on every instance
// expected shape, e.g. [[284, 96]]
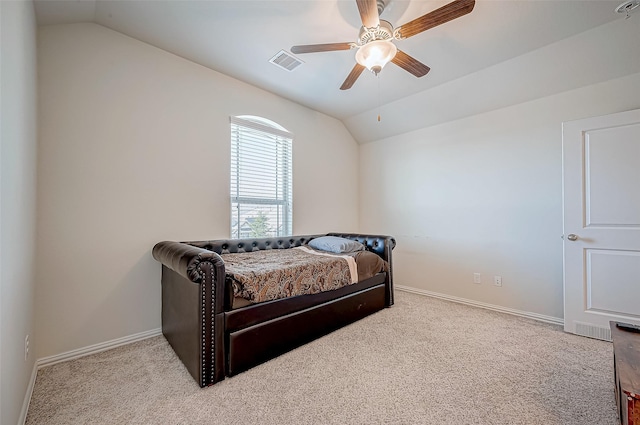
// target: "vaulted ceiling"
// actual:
[[238, 38]]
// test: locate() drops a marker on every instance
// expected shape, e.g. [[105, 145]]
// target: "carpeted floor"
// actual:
[[423, 361]]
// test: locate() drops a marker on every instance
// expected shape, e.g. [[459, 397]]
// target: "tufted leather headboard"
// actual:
[[228, 246], [373, 243]]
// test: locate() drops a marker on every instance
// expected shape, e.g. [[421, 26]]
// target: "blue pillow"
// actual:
[[335, 244]]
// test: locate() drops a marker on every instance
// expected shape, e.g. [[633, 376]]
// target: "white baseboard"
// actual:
[[75, 354], [27, 397], [529, 315], [96, 348]]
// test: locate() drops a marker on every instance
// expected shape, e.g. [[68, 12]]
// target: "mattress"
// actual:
[[267, 275]]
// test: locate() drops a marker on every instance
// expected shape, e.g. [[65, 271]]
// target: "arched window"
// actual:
[[261, 170]]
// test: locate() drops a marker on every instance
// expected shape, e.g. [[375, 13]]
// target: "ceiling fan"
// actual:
[[375, 41]]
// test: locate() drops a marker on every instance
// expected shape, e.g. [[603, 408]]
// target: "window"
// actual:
[[261, 204]]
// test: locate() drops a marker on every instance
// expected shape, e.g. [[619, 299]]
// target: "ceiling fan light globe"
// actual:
[[376, 54]]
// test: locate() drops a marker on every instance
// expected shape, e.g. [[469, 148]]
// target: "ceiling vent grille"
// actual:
[[286, 61]]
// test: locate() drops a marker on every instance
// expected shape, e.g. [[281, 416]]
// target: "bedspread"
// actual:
[[271, 274]]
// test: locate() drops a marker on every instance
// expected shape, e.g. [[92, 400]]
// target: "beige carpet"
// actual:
[[423, 361]]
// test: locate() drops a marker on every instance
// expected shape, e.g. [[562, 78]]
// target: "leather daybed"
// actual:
[[215, 338]]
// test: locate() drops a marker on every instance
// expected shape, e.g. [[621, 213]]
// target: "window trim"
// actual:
[[251, 122]]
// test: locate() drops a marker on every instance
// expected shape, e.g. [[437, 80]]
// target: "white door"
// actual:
[[601, 202]]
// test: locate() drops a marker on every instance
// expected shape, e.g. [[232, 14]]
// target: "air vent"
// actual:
[[591, 331], [286, 60]]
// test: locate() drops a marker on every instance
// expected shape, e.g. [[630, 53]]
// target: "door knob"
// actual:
[[572, 237]]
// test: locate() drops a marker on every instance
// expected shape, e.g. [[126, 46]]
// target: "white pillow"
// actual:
[[335, 244]]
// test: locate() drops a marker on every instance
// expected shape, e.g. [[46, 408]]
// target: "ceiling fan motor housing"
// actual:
[[383, 32]]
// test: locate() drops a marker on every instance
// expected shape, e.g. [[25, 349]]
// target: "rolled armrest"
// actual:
[[193, 299], [185, 259], [381, 245]]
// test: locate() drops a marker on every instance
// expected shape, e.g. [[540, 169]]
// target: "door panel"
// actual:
[[601, 203], [606, 167], [610, 273]]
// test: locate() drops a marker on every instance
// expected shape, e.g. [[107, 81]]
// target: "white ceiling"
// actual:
[[239, 37]]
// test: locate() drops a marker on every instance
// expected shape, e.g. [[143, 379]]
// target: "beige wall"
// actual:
[[134, 149], [17, 203], [483, 194]]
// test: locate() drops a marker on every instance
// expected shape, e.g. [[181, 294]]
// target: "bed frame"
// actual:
[[213, 340]]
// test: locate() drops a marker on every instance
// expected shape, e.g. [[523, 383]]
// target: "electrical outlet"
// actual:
[[26, 348], [476, 278], [497, 280]]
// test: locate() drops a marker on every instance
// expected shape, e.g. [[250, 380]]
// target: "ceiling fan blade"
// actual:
[[352, 77], [410, 64], [369, 13], [313, 48], [446, 13]]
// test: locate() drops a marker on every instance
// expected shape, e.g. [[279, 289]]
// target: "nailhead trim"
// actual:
[[203, 291], [213, 322]]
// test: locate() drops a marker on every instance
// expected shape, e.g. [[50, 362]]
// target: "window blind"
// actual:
[[261, 182]]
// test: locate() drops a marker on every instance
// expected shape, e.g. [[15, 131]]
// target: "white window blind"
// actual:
[[261, 201]]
